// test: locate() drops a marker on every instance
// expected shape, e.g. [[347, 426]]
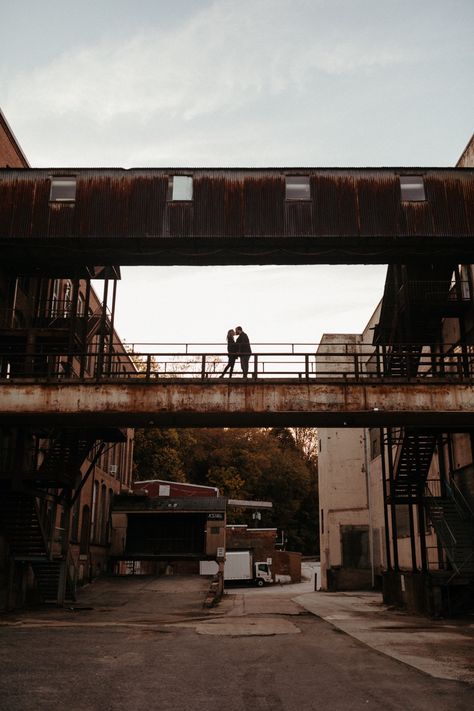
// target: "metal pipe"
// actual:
[[385, 504]]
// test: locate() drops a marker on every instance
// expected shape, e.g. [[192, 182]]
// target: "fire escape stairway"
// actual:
[[411, 465], [64, 458], [27, 542], [453, 522], [25, 533], [416, 298]]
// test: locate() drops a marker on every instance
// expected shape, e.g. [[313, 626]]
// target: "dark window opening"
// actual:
[[63, 190], [412, 188], [355, 546], [297, 187]]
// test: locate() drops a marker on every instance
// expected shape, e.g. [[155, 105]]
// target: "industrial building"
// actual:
[[57, 483], [397, 503], [394, 404]]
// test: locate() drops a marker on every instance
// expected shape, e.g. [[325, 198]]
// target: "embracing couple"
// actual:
[[239, 348]]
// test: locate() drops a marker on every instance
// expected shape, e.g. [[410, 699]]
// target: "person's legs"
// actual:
[[229, 367], [244, 361]]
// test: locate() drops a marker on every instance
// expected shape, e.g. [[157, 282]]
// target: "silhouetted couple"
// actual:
[[239, 348]]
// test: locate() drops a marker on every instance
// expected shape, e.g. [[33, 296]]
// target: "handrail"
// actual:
[[338, 362], [442, 522], [459, 499]]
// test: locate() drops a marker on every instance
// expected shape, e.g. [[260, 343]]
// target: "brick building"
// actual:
[[56, 484]]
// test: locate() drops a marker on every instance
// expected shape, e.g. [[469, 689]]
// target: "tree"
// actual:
[[261, 464], [157, 455]]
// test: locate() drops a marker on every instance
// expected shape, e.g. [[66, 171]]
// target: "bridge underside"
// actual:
[[192, 403], [62, 255]]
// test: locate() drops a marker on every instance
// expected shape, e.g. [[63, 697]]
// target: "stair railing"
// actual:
[[464, 508], [42, 524], [443, 530]]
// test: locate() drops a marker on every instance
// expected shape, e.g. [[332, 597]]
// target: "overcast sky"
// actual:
[[137, 83]]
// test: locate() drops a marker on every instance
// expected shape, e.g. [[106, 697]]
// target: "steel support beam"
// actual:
[[213, 403]]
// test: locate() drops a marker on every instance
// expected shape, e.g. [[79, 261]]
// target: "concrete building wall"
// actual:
[[350, 525]]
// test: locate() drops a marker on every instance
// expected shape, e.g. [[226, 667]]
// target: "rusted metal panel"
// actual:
[[379, 206], [298, 219], [437, 203], [61, 220], [468, 193], [264, 206], [334, 206], [17, 199], [114, 203], [209, 206], [456, 208], [234, 208], [180, 219], [146, 205]]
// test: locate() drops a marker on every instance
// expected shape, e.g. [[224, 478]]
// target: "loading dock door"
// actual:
[[180, 534]]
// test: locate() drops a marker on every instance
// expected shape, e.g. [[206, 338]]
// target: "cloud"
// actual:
[[224, 57]]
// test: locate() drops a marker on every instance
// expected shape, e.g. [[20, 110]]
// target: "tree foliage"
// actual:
[[277, 465]]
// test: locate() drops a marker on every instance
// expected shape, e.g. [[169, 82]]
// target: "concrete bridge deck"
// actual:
[[191, 402]]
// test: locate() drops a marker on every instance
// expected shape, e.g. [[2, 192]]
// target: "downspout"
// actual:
[[369, 506]]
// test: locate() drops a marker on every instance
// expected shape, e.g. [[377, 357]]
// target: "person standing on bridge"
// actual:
[[232, 351], [243, 349]]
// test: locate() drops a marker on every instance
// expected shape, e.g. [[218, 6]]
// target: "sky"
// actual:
[[122, 83]]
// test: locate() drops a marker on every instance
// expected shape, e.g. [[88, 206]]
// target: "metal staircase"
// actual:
[[453, 522], [63, 458], [411, 465], [27, 538]]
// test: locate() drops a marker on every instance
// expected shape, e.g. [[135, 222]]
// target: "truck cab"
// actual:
[[262, 574]]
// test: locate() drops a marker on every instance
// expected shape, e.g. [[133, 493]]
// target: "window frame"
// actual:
[[412, 180], [171, 188], [55, 182], [300, 198]]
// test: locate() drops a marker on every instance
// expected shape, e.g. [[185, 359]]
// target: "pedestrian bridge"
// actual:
[[334, 385], [59, 221]]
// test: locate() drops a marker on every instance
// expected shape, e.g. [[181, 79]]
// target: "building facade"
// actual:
[[57, 484], [397, 503]]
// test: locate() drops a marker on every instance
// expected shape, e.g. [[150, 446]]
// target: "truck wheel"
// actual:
[[260, 582]]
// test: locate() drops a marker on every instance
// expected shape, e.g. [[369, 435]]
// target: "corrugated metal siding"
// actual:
[[236, 203], [335, 208], [264, 201]]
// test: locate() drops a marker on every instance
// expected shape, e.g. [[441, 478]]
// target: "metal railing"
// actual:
[[333, 362], [436, 291]]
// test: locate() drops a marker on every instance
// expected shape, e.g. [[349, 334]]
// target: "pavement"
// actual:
[[443, 649]]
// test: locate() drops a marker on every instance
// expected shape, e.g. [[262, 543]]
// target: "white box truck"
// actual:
[[239, 565]]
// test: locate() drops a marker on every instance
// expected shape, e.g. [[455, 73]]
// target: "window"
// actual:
[[63, 190], [412, 188], [297, 187], [180, 187]]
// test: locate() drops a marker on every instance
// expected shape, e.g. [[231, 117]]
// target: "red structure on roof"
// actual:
[[159, 488]]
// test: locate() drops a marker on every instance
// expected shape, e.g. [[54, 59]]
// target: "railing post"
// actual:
[[356, 366], [203, 366], [255, 366], [148, 367], [306, 365]]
